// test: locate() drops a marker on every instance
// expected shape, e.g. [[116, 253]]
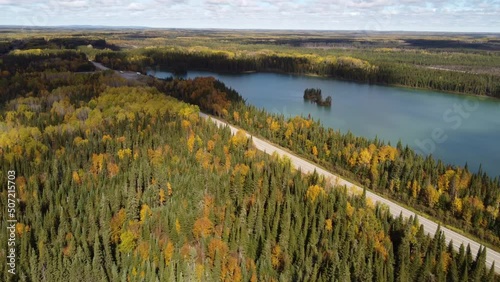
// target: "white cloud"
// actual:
[[467, 15], [136, 7], [78, 4]]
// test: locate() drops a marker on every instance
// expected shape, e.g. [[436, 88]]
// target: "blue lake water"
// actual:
[[454, 128]]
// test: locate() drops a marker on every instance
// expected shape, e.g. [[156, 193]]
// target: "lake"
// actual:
[[454, 128]]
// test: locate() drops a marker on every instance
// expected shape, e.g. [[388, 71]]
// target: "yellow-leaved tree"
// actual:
[[116, 225], [168, 252], [202, 227], [431, 195], [145, 212], [313, 192], [128, 242]]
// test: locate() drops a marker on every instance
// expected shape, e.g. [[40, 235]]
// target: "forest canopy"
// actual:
[[122, 180], [133, 185]]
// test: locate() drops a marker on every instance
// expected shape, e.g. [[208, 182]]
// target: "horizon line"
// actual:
[[241, 29]]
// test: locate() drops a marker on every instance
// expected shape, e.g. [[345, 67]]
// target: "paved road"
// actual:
[[125, 74], [429, 226], [445, 69]]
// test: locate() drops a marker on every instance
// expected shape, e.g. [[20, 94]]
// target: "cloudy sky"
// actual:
[[418, 15]]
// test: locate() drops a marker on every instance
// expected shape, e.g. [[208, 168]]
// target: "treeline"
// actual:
[[343, 67], [226, 61], [452, 194], [132, 185], [452, 81], [352, 42], [211, 95], [38, 60], [424, 57], [38, 72], [53, 43]]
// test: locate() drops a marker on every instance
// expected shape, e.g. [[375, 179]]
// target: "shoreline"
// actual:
[[342, 79]]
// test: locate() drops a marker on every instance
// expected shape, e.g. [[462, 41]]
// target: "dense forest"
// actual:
[[117, 181], [180, 59], [47, 60], [63, 42], [452, 194]]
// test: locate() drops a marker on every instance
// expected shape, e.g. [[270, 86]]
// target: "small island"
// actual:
[[314, 95]]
